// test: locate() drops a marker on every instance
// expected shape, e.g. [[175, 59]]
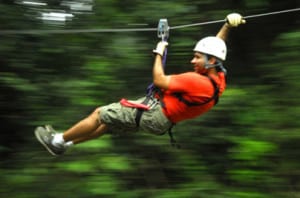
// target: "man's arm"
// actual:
[[232, 20], [159, 78], [223, 33]]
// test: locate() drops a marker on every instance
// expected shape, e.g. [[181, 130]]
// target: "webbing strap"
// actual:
[[172, 139], [140, 111], [163, 33], [151, 88], [214, 97]]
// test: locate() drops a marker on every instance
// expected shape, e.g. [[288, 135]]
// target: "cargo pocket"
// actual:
[[154, 121]]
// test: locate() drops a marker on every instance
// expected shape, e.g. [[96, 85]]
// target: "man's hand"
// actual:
[[160, 48], [234, 20]]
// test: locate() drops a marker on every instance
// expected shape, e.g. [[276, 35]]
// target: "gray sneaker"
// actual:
[[45, 137]]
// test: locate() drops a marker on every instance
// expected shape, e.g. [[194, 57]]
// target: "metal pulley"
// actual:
[[163, 29]]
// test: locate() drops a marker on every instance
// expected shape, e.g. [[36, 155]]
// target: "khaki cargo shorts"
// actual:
[[121, 119]]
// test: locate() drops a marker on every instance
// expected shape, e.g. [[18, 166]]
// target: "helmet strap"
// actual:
[[218, 64]]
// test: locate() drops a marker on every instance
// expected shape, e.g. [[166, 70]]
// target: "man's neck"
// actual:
[[212, 71]]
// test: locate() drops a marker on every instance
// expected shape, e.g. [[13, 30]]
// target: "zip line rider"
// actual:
[[179, 97]]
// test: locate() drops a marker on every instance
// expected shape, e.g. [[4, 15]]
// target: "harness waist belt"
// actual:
[[127, 103]]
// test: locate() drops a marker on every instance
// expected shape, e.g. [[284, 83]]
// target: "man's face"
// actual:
[[198, 62]]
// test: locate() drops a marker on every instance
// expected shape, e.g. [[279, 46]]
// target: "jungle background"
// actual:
[[246, 147]]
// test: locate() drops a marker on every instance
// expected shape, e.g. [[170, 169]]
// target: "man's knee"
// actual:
[[96, 115]]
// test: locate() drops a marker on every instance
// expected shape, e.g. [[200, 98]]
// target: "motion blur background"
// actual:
[[246, 147]]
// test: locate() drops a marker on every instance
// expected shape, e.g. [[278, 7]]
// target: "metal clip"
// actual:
[[163, 29]]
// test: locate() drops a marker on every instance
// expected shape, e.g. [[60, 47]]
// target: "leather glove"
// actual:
[[160, 48], [234, 19]]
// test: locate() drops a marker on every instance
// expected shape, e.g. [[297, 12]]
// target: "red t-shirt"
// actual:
[[194, 87]]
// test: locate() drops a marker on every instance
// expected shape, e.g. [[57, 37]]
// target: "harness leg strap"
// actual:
[[140, 112], [173, 142]]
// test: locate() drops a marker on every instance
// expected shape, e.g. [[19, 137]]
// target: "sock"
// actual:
[[68, 144], [58, 140]]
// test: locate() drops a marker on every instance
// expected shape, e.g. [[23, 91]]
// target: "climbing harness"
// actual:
[[179, 96], [163, 34], [96, 30]]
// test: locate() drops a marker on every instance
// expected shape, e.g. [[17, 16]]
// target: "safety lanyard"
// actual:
[[163, 34]]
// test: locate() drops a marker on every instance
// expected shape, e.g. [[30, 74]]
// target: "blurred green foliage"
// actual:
[[246, 147]]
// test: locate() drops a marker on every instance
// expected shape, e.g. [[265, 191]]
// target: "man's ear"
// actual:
[[212, 60]]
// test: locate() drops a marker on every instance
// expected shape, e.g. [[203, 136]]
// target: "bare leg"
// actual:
[[85, 128], [97, 133]]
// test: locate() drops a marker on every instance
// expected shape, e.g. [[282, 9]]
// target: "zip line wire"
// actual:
[[245, 17], [73, 31]]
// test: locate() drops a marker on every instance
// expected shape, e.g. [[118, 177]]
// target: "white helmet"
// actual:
[[212, 45]]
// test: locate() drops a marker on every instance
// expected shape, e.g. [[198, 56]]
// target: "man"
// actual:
[[180, 97]]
